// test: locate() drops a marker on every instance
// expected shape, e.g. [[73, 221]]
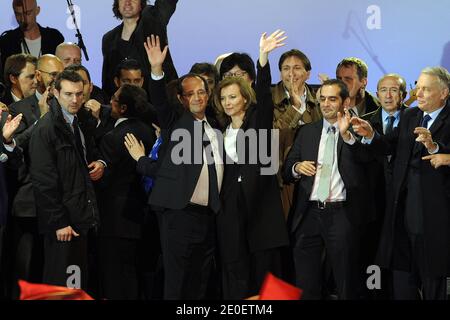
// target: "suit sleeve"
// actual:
[[165, 9], [106, 69], [264, 97], [165, 112], [294, 156], [46, 181]]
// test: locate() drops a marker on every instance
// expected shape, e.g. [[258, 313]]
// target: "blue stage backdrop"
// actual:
[[391, 36]]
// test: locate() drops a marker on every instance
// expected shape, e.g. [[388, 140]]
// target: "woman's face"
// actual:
[[232, 101]]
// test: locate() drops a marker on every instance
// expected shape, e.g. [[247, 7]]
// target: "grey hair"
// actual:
[[441, 73]]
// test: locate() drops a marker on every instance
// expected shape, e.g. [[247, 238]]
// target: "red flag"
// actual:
[[31, 291], [274, 288]]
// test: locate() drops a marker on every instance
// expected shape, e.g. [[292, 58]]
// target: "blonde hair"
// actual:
[[244, 87]]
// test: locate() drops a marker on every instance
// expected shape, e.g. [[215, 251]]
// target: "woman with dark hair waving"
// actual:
[[251, 227]]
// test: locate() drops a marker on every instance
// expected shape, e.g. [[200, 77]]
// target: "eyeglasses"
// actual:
[[190, 95], [51, 74], [237, 74]]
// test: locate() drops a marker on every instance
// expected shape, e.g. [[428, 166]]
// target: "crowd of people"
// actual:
[[157, 186]]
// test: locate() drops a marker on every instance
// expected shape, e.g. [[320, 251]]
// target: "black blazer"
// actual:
[[435, 188], [266, 227], [380, 169], [29, 108], [121, 197], [10, 42], [24, 203], [154, 20], [174, 183], [351, 160]]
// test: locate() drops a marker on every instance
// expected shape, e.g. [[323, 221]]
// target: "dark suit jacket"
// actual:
[[351, 160], [435, 187], [24, 204], [10, 42], [29, 108], [380, 169], [174, 183], [122, 198], [14, 161], [265, 226], [154, 20]]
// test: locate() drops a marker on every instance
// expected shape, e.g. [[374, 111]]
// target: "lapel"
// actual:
[[315, 138], [440, 120], [377, 121], [417, 147]]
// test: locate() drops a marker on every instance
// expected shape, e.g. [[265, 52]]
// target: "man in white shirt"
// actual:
[[330, 206]]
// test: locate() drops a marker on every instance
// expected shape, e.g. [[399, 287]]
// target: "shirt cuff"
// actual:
[[365, 140], [156, 78], [10, 147], [351, 141], [437, 149], [103, 162], [295, 174]]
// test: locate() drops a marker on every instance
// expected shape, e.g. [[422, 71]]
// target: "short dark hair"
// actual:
[[116, 11], [187, 76], [295, 53], [127, 64], [67, 75], [343, 93], [242, 60], [361, 67], [205, 68], [135, 99], [79, 67], [15, 64]]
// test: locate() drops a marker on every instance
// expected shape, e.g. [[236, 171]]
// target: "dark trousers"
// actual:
[[188, 245], [118, 268], [326, 234], [418, 284], [243, 278], [62, 258]]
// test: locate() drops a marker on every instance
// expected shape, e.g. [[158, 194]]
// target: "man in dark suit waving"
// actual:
[[326, 160], [186, 192]]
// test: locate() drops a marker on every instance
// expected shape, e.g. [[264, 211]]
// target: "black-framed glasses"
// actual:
[[237, 74]]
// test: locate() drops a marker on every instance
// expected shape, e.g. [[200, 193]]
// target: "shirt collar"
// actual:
[[119, 121], [67, 116], [327, 125], [385, 116], [15, 98], [435, 113]]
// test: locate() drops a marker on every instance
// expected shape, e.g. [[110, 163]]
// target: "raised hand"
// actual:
[[362, 128], [424, 136], [270, 43], [10, 127], [343, 121], [155, 56], [135, 149]]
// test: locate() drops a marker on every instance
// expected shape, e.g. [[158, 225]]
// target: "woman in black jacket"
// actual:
[[251, 227]]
